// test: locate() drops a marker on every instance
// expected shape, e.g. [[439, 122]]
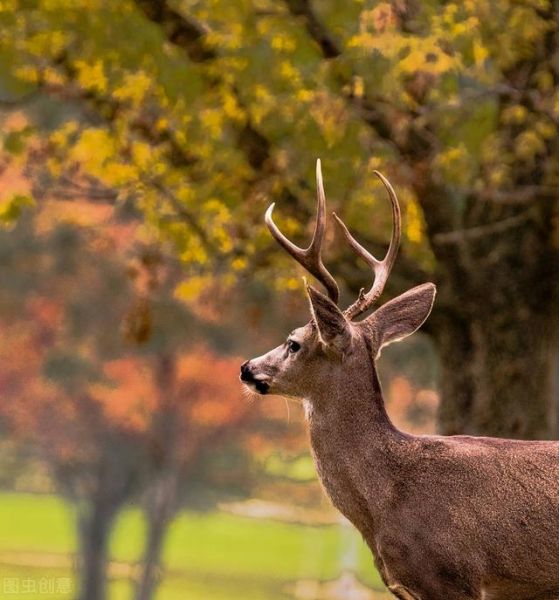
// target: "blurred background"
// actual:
[[141, 143]]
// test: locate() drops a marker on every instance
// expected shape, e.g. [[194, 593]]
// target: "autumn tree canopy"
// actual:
[[199, 114]]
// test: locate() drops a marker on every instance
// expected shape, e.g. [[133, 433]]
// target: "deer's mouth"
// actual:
[[259, 383], [256, 382], [262, 387]]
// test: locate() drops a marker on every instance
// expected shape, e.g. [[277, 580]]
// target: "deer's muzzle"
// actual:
[[247, 376]]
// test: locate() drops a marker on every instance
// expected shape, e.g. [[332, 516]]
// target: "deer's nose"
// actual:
[[246, 374]]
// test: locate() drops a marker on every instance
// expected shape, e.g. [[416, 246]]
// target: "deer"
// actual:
[[445, 517]]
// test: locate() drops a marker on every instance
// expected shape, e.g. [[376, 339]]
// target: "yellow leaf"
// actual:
[[414, 223], [91, 76], [514, 114], [192, 287], [134, 87], [93, 148], [358, 87], [283, 43], [141, 153], [212, 119], [480, 53], [528, 144], [119, 173], [290, 73], [239, 264]]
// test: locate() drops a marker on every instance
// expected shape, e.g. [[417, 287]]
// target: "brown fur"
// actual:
[[446, 518]]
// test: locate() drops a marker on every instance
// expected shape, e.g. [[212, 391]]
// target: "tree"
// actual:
[[196, 407], [52, 380], [103, 374], [202, 114]]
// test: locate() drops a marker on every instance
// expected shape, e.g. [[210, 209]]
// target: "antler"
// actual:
[[310, 257], [381, 268]]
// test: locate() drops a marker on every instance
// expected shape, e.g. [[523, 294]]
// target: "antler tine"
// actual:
[[310, 258], [381, 268]]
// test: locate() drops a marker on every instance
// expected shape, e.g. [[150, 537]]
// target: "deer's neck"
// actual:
[[357, 450], [350, 407]]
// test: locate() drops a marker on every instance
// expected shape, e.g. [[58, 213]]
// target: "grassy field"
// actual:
[[213, 556]]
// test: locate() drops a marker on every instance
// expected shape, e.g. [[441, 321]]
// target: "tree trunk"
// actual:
[[161, 497], [160, 508], [149, 578], [555, 391], [95, 523], [495, 328], [496, 379]]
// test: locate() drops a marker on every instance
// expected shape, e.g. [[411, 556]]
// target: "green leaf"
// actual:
[[11, 210], [15, 141]]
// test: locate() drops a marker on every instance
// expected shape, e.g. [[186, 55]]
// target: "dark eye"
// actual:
[[293, 346]]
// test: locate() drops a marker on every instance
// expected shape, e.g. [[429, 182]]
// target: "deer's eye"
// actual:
[[293, 346]]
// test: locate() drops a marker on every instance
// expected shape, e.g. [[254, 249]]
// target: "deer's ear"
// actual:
[[332, 326], [403, 315]]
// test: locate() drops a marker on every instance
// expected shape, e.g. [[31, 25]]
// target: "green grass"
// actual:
[[214, 556], [35, 523]]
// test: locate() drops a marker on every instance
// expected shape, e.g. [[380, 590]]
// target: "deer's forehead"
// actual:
[[303, 334]]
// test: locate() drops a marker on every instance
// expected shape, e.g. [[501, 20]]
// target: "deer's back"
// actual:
[[470, 512]]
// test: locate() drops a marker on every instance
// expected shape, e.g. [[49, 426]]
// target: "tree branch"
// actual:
[[317, 31], [475, 233], [184, 32], [11, 103], [180, 30], [187, 216], [522, 195], [415, 146], [108, 108]]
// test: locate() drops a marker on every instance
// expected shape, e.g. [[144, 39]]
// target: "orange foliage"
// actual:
[[125, 395], [128, 395], [205, 392], [209, 384]]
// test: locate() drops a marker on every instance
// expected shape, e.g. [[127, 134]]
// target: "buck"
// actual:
[[446, 518]]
